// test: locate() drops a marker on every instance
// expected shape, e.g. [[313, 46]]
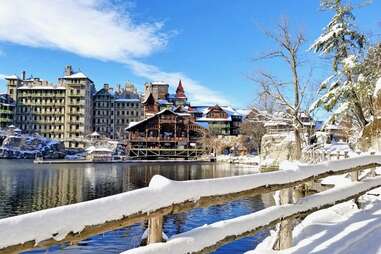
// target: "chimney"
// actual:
[[106, 87], [23, 76], [68, 70]]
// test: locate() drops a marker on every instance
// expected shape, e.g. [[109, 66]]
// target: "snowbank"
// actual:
[[208, 235], [161, 192]]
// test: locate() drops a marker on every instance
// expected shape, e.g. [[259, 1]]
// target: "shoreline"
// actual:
[[110, 162]]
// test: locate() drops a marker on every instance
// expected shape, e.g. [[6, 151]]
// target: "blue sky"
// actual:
[[209, 44]]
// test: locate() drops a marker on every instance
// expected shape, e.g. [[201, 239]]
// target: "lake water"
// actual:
[[27, 187]]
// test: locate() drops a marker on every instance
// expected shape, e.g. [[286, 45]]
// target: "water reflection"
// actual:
[[25, 187]]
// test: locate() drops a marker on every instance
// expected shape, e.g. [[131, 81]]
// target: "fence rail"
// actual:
[[160, 198]]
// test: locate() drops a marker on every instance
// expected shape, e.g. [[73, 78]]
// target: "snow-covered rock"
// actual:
[[26, 146]]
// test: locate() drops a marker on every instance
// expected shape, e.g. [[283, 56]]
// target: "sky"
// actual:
[[208, 44]]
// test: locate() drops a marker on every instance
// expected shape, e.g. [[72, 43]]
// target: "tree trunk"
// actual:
[[298, 145]]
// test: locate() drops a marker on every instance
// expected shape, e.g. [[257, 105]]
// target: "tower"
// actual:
[[181, 98]]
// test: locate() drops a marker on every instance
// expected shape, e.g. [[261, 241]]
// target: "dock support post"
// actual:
[[155, 229], [284, 240]]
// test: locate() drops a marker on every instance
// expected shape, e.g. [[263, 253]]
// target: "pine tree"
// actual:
[[344, 44]]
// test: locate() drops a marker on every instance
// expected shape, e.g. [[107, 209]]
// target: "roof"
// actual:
[[11, 77], [127, 100], [41, 87], [205, 119], [180, 94], [159, 83], [149, 99], [133, 124], [77, 75]]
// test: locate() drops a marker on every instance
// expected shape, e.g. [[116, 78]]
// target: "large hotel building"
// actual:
[[71, 109], [62, 111]]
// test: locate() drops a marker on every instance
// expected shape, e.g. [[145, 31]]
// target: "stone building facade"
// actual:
[[62, 111], [115, 110]]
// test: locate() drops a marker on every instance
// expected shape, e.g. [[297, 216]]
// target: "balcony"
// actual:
[[158, 139], [76, 95], [77, 112], [6, 112]]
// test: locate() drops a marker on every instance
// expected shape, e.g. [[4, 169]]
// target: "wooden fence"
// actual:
[[164, 197]]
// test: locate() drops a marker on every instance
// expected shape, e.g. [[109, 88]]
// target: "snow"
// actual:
[[342, 229], [161, 192], [76, 75], [206, 119], [160, 83], [92, 149], [11, 77], [207, 235], [243, 159], [276, 123], [127, 100], [41, 87], [377, 88], [350, 61]]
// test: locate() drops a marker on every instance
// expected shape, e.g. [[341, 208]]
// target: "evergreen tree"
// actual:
[[344, 44]]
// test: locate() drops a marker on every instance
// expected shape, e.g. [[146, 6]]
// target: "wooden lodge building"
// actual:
[[165, 134]]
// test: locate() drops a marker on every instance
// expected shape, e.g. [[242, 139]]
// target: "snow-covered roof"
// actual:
[[244, 112], [94, 134], [79, 75], [92, 149], [41, 87], [205, 119], [230, 111], [132, 124], [159, 83], [11, 77], [127, 100]]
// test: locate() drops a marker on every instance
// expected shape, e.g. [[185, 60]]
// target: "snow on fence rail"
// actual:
[[208, 238], [73, 223]]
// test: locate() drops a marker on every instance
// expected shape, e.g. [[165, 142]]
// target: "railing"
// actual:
[[158, 139], [316, 154], [73, 223]]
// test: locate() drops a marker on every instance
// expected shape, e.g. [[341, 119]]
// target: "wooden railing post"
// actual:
[[284, 240], [155, 229], [372, 170]]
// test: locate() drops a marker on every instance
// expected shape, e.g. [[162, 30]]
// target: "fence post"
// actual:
[[284, 240], [155, 229], [372, 170]]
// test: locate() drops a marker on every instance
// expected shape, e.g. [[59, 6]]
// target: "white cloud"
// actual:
[[91, 28], [2, 76], [199, 94]]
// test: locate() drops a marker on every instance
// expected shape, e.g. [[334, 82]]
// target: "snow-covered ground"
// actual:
[[243, 159], [340, 229]]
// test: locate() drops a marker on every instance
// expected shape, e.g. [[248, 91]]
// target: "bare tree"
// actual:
[[287, 50], [251, 135]]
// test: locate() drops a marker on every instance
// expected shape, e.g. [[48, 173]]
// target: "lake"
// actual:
[[27, 187]]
